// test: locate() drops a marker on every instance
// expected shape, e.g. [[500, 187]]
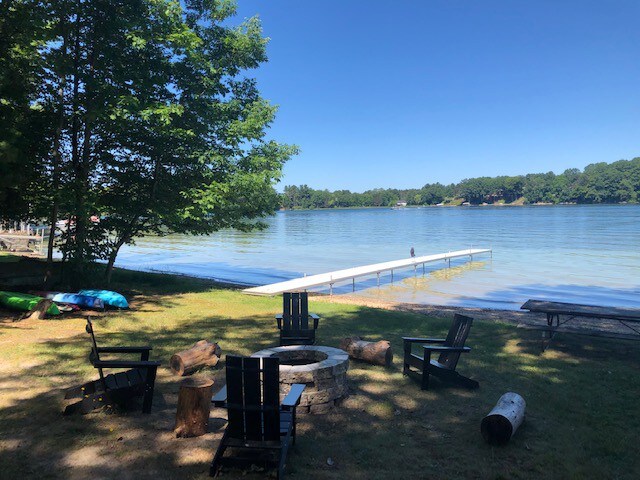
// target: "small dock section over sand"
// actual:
[[352, 273]]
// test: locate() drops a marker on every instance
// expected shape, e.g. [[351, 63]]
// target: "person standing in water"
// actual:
[[413, 253]]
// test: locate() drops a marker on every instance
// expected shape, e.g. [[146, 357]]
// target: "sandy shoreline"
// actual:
[[485, 314], [514, 317]]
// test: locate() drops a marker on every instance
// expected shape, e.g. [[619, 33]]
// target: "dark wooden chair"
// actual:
[[115, 388], [260, 429], [294, 322], [449, 348]]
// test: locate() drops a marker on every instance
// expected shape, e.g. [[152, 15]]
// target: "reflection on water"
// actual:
[[586, 254]]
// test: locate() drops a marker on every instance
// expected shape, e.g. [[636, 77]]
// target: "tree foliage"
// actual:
[[147, 120], [599, 183]]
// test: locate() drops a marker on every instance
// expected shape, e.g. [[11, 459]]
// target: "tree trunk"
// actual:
[[502, 422], [201, 354], [194, 406], [377, 353], [75, 231], [112, 259], [57, 158]]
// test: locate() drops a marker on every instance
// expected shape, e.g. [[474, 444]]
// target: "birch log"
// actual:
[[502, 422], [378, 353]]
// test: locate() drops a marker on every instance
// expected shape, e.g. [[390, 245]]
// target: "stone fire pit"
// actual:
[[322, 369]]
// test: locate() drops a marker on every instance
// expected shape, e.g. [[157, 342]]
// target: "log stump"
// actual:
[[377, 353], [194, 406], [502, 422], [200, 354]]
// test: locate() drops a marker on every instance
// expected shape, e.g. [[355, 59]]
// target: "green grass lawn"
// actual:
[[582, 410], [6, 257]]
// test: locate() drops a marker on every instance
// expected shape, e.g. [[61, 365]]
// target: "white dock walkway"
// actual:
[[352, 273]]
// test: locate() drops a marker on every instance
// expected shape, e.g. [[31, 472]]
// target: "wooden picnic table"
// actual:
[[554, 310]]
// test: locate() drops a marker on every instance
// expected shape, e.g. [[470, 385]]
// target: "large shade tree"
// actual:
[[154, 125]]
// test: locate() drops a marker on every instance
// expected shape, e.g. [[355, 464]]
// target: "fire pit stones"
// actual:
[[322, 369]]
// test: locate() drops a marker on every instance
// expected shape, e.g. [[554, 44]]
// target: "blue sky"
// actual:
[[396, 94]]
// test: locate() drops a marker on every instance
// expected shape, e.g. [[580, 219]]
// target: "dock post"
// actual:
[[331, 289], [378, 278], [392, 276], [353, 280], [423, 269], [415, 270]]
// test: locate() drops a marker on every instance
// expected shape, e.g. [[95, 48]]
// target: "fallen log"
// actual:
[[194, 406], [39, 311], [502, 422], [377, 353], [199, 355]]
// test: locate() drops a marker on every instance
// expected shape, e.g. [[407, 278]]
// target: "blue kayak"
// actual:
[[79, 299], [85, 301], [113, 299]]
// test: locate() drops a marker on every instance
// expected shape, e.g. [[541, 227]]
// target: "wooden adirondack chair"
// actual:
[[116, 388], [449, 348], [294, 321], [260, 429]]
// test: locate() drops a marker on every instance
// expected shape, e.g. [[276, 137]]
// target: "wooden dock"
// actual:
[[352, 273], [21, 242]]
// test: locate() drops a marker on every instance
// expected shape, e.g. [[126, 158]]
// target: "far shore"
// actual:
[[472, 205]]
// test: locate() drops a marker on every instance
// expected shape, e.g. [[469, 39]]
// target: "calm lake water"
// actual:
[[573, 253]]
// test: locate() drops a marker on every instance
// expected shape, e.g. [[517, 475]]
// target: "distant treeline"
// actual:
[[599, 183]]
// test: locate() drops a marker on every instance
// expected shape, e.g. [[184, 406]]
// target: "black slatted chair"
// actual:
[[115, 388], [294, 322], [449, 348], [260, 429]]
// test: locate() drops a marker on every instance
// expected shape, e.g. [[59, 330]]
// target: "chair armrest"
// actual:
[[124, 349], [316, 319], [126, 364], [220, 398], [293, 397], [423, 340], [279, 320], [444, 348]]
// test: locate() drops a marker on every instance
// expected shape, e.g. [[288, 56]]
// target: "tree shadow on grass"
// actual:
[[387, 427]]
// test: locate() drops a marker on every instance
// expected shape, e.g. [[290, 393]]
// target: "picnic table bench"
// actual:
[[554, 310]]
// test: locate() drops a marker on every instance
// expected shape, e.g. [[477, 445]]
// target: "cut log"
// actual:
[[201, 354], [377, 353], [194, 405], [39, 311], [502, 422]]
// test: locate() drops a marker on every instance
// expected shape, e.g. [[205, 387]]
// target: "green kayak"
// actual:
[[24, 301]]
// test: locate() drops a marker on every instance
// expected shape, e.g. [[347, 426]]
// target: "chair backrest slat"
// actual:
[[286, 310], [253, 398], [94, 350], [234, 397], [304, 310], [456, 337], [271, 398], [295, 310]]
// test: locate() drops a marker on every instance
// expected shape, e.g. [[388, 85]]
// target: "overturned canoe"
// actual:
[[85, 301], [24, 302], [113, 299]]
